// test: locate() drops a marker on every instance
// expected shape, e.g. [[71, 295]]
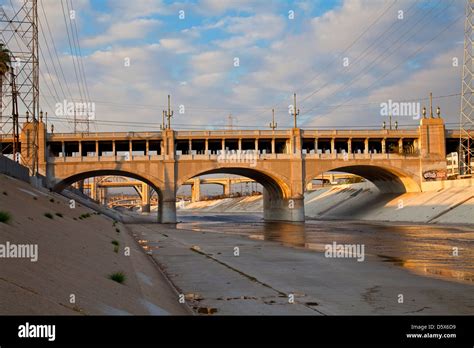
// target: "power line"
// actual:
[[339, 55], [363, 54], [389, 72], [71, 48], [55, 50]]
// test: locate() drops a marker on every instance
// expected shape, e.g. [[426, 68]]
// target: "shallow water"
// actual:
[[427, 250]]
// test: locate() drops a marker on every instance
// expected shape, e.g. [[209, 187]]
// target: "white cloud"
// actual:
[[122, 31]]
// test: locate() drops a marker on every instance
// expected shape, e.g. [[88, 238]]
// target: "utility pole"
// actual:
[[230, 123], [273, 125], [296, 111], [163, 125], [169, 113], [16, 127]]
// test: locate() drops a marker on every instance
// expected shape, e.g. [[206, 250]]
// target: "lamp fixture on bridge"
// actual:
[[273, 124], [296, 111], [384, 125], [169, 113], [52, 129], [27, 116], [424, 111], [438, 111], [163, 125]]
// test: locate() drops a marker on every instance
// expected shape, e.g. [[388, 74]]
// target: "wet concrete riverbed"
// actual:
[[437, 251], [277, 261]]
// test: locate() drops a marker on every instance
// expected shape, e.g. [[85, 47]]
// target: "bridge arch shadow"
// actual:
[[64, 183], [387, 180], [278, 204], [274, 187]]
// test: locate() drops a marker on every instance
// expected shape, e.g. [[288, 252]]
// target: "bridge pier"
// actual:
[[196, 190], [277, 209], [145, 198], [167, 211]]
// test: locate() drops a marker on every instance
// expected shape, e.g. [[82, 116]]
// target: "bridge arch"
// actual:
[[275, 186], [387, 179], [278, 203], [154, 184]]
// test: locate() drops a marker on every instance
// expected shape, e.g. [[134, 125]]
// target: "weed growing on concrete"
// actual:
[[118, 277], [5, 217], [49, 215]]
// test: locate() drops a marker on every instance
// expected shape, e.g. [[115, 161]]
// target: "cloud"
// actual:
[[193, 60], [122, 31]]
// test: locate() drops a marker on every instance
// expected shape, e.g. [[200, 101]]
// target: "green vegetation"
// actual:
[[5, 193], [5, 217], [49, 215], [117, 230], [116, 245], [52, 200], [59, 214], [118, 277], [84, 216]]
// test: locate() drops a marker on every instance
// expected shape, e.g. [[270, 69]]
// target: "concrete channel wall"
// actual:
[[14, 169]]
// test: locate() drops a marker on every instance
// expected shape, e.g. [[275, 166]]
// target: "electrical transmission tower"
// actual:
[[466, 121], [19, 34]]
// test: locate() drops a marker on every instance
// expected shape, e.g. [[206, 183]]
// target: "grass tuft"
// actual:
[[5, 217], [118, 277], [59, 214], [49, 215]]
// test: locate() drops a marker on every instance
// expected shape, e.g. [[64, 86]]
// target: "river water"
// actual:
[[444, 252]]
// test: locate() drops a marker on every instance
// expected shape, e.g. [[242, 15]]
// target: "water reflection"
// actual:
[[424, 249]]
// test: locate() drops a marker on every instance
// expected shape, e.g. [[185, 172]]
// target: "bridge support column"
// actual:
[[366, 146], [145, 198], [93, 192], [400, 146], [167, 210], [167, 203], [349, 146], [282, 209], [384, 142], [196, 190], [227, 188], [273, 145]]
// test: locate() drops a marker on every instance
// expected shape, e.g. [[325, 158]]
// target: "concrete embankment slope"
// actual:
[[446, 202], [75, 258]]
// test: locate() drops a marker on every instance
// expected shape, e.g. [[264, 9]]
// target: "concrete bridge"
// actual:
[[283, 161], [97, 187]]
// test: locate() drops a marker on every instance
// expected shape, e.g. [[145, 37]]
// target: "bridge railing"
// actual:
[[361, 133], [231, 132], [355, 156]]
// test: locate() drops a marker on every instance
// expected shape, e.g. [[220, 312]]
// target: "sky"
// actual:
[[243, 58]]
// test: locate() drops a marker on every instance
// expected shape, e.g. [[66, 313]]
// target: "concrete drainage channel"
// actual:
[[199, 302]]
